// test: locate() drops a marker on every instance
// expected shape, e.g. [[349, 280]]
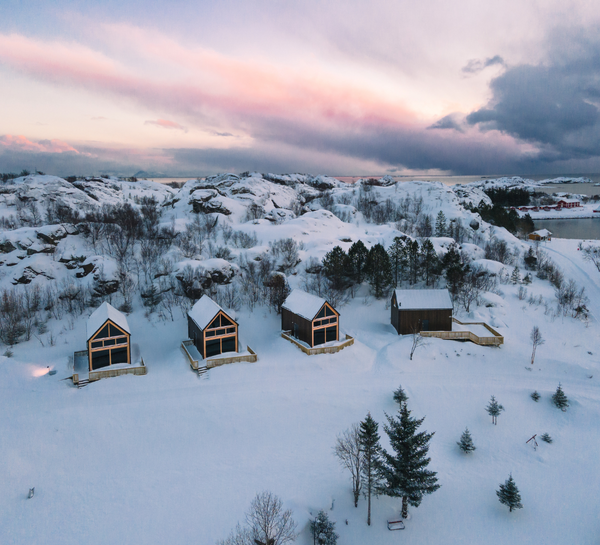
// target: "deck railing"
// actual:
[[494, 340], [318, 349]]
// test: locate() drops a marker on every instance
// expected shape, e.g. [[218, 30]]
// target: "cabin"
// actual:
[[211, 329], [421, 310], [542, 235], [108, 338], [568, 203], [310, 318]]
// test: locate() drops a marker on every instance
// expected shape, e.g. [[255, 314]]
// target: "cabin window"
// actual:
[[220, 331], [118, 355], [109, 342], [103, 333], [225, 321], [213, 348], [231, 330], [331, 334], [101, 358], [216, 322], [321, 313], [122, 340], [97, 344], [229, 344], [328, 311], [210, 333], [319, 336]]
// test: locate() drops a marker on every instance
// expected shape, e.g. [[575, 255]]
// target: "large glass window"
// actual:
[[118, 355], [100, 359], [331, 334], [228, 344], [319, 336], [213, 348]]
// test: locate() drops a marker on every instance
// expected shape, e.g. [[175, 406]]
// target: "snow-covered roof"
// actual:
[[204, 311], [542, 233], [103, 313], [567, 200], [423, 299], [303, 304]]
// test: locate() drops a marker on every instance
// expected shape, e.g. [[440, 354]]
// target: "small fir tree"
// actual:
[[535, 396], [379, 270], [334, 268], [560, 399], [430, 262], [441, 228], [509, 494], [397, 253], [515, 277], [357, 259], [400, 396], [546, 437], [466, 442], [323, 529], [494, 409], [403, 472], [371, 461]]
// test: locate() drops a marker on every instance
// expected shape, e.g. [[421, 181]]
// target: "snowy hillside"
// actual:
[[171, 457]]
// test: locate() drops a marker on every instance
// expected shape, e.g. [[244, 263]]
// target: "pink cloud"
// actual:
[[21, 143], [166, 124]]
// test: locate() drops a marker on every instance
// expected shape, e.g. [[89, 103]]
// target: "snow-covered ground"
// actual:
[[174, 458]]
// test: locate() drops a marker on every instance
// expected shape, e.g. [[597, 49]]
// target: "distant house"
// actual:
[[212, 330], [421, 310], [542, 235], [310, 318], [108, 337], [568, 203]]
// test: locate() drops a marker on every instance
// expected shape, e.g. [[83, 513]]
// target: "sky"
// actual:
[[348, 88]]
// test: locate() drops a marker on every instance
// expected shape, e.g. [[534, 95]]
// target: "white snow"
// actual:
[[303, 304], [423, 299], [103, 313], [204, 311]]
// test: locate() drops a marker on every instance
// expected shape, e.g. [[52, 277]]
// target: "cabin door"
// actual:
[[425, 325]]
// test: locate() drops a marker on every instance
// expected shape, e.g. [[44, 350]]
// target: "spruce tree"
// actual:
[[509, 494], [369, 440], [441, 228], [400, 396], [404, 474], [546, 437], [535, 396], [357, 259], [379, 270], [397, 253], [494, 409], [456, 270], [323, 530], [334, 268], [466, 442], [515, 277], [413, 260], [560, 399], [430, 262]]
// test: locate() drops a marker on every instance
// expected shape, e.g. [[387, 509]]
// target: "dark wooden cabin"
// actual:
[[421, 310], [310, 318], [211, 329], [108, 337]]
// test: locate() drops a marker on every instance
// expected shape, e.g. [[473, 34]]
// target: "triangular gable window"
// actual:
[[103, 333], [215, 323], [328, 311], [225, 321], [321, 313]]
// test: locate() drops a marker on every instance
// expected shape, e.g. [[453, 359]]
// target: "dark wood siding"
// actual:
[[407, 320], [196, 335], [304, 327], [394, 311]]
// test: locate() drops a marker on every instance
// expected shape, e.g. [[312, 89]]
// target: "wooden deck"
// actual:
[[199, 364], [331, 349], [138, 368], [494, 339]]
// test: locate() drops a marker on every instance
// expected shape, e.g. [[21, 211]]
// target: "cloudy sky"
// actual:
[[337, 87]]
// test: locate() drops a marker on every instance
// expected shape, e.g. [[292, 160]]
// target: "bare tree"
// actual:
[[592, 253], [268, 523], [349, 452], [417, 340], [536, 339]]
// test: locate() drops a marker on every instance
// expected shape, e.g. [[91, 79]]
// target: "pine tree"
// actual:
[[357, 259], [466, 442], [494, 409], [430, 262], [151, 297], [515, 277], [535, 396], [323, 530], [546, 437], [379, 270], [456, 270], [369, 440], [560, 399], [441, 228], [414, 260], [404, 474], [400, 396], [334, 268], [509, 494], [397, 253]]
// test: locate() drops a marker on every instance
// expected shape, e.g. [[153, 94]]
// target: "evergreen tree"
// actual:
[[151, 297], [456, 270], [466, 442], [509, 494], [334, 268], [379, 270], [323, 530], [413, 260], [441, 228], [397, 253], [404, 474], [527, 279], [357, 259], [535, 396], [494, 409], [515, 277], [560, 399], [546, 437], [369, 440], [530, 259], [400, 396], [430, 262]]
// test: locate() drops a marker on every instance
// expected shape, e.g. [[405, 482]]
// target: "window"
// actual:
[[231, 330], [328, 311], [331, 334], [221, 331], [210, 333], [319, 336], [321, 313], [228, 344], [97, 344], [213, 348]]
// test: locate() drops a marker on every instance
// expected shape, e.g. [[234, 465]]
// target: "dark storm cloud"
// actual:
[[553, 106], [474, 66], [451, 121]]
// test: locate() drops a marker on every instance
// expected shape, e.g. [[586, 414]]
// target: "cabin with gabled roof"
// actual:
[[108, 338], [421, 310], [310, 318], [211, 329]]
